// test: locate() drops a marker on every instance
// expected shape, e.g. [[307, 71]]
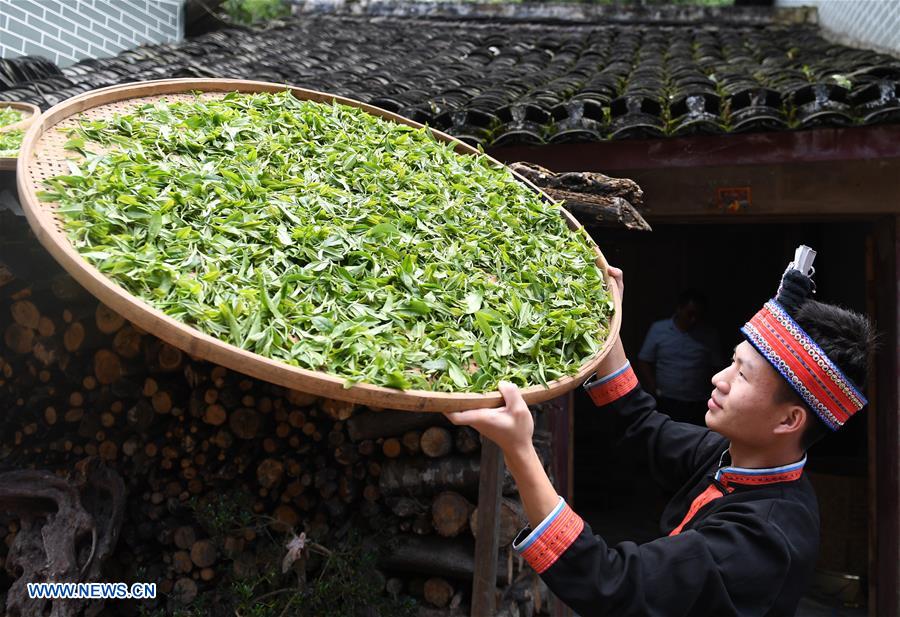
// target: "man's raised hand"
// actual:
[[618, 277], [510, 426]]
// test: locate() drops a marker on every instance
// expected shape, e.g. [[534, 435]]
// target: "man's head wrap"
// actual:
[[795, 355]]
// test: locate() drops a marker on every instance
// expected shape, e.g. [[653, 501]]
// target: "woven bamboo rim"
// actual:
[[32, 111], [42, 157]]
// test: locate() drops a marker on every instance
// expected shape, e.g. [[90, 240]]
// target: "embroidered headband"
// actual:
[[796, 356], [803, 365]]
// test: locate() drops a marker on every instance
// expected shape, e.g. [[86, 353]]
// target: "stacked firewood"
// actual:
[[429, 481], [205, 452]]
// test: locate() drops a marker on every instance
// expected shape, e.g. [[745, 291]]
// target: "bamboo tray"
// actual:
[[42, 157], [33, 111]]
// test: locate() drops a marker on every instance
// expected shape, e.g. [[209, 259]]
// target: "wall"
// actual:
[[65, 31], [872, 24]]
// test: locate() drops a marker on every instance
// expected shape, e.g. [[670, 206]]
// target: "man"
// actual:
[[741, 532], [678, 357]]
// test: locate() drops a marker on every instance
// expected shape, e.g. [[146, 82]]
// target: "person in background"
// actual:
[[678, 357]]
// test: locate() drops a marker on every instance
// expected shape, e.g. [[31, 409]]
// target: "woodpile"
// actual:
[[207, 453]]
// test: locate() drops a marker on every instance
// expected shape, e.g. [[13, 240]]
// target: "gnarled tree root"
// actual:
[[68, 529]]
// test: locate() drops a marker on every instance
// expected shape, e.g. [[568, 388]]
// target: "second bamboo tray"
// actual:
[[32, 112], [42, 156]]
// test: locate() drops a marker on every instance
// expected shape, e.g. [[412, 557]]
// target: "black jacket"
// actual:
[[740, 542]]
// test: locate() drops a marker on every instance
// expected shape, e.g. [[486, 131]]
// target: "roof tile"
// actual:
[[507, 82]]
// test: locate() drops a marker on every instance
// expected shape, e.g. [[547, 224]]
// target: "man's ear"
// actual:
[[793, 420]]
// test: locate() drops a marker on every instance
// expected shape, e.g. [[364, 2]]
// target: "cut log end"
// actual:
[[203, 553], [26, 314], [108, 321], [215, 415], [436, 442], [438, 592], [450, 513], [244, 423], [127, 342], [19, 338], [392, 448], [107, 366], [169, 357], [74, 336]]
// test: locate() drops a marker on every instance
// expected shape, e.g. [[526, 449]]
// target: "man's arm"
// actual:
[[672, 450], [734, 564], [647, 375], [646, 364], [511, 427]]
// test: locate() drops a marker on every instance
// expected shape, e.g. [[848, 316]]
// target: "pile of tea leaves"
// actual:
[[10, 141], [334, 240], [10, 115]]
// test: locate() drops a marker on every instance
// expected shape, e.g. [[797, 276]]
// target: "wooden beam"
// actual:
[[561, 427], [860, 188], [484, 581], [564, 466], [872, 391], [570, 455], [813, 189], [780, 147], [884, 447], [807, 173]]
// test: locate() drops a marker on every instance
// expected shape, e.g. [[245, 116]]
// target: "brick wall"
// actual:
[[66, 31], [871, 24]]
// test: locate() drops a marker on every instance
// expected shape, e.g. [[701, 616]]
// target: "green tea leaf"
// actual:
[[529, 345], [154, 227], [473, 302], [456, 374], [395, 379], [484, 319], [74, 143], [418, 306]]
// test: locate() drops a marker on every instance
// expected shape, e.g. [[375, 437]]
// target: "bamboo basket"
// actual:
[[42, 157], [33, 112]]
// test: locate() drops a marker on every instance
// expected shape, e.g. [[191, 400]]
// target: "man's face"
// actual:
[[742, 406], [689, 315]]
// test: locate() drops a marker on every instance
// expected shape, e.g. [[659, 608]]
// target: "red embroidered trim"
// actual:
[[711, 493], [554, 540], [614, 389], [738, 478]]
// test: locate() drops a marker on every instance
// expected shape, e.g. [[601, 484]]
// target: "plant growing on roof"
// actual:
[[252, 12], [330, 239]]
